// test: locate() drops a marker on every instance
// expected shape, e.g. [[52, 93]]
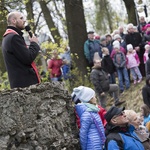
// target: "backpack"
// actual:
[[116, 137]]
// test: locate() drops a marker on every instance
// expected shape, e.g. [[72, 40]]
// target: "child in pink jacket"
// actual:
[[133, 63]]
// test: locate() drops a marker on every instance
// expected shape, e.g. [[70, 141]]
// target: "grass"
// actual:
[[132, 96]]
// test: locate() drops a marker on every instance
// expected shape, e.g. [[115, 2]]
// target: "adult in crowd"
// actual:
[[92, 136], [54, 67], [146, 36], [146, 92], [22, 71], [90, 47], [105, 44], [121, 41], [141, 24], [147, 66], [135, 39], [100, 80], [120, 135], [135, 121], [121, 32]]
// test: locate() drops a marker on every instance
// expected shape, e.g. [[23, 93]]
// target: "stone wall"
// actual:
[[40, 117]]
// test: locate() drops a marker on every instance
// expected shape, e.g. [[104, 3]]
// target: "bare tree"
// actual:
[[130, 6], [49, 20], [77, 32]]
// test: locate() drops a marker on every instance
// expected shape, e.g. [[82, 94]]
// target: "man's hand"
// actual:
[[33, 39]]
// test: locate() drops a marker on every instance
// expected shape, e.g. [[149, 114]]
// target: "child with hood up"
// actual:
[[92, 136]]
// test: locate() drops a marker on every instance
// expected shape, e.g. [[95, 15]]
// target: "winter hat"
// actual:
[[112, 112], [129, 46], [117, 36], [146, 46], [116, 46], [147, 26], [102, 38], [116, 42], [96, 57], [84, 94]]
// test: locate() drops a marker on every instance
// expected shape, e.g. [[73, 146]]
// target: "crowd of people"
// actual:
[[128, 55], [112, 129], [125, 56]]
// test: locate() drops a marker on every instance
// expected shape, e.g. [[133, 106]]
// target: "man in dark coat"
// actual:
[[135, 39], [22, 71], [100, 80]]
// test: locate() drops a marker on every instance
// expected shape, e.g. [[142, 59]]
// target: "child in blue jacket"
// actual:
[[92, 136]]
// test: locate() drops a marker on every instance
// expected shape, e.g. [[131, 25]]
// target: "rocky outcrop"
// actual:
[[40, 117]]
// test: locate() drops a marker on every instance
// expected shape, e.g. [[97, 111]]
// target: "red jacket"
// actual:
[[55, 66]]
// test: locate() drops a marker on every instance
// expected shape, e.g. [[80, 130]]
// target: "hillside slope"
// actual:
[[132, 96]]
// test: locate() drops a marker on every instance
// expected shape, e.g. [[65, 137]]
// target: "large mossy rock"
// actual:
[[40, 117]]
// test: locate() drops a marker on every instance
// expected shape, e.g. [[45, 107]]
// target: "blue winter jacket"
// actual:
[[89, 135], [130, 143]]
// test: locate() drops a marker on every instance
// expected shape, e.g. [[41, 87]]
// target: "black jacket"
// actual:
[[108, 65], [100, 80], [146, 91], [18, 59]]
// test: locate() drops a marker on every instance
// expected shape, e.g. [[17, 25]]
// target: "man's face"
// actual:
[[20, 21], [120, 119], [142, 20], [91, 36], [97, 63], [130, 29]]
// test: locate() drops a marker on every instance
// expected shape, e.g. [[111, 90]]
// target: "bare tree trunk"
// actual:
[[110, 23], [130, 7], [77, 32], [3, 25], [50, 22], [30, 15]]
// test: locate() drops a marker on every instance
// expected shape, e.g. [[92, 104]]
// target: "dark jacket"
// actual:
[[148, 66], [100, 80], [128, 138], [108, 65], [18, 59], [90, 47], [133, 38], [146, 91]]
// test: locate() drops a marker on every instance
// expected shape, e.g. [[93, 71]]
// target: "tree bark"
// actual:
[[48, 18], [76, 32], [130, 7], [30, 15], [3, 25]]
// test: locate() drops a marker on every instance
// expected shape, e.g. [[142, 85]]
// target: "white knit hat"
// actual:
[[84, 94], [129, 46], [116, 42], [116, 46]]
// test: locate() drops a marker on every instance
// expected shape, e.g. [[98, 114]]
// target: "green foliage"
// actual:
[[4, 83], [76, 78], [50, 46]]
